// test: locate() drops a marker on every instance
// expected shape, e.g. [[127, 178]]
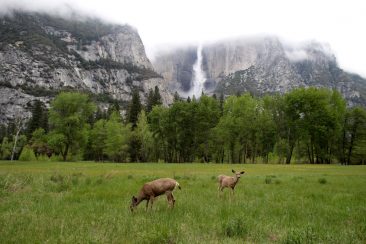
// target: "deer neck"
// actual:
[[140, 198], [236, 179]]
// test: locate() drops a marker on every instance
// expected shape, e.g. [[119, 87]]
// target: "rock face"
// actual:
[[264, 65], [41, 55], [177, 66]]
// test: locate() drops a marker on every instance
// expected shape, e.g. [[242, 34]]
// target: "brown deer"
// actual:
[[229, 181], [153, 189]]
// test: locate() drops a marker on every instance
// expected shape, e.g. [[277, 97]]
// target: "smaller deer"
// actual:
[[153, 189], [229, 181]]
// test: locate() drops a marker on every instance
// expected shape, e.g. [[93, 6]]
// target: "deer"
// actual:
[[229, 181], [153, 189]]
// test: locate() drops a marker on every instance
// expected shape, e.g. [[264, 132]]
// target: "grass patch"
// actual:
[[322, 181], [85, 202]]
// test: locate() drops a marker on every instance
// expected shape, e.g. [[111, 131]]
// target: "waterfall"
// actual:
[[199, 77]]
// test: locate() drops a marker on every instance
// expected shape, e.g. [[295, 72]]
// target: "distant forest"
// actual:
[[306, 125]]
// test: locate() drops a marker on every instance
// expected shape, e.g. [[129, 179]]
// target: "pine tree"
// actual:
[[176, 97], [134, 108], [221, 103], [157, 96], [150, 101], [39, 118]]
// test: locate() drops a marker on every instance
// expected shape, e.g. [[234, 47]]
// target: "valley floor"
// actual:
[[85, 202]]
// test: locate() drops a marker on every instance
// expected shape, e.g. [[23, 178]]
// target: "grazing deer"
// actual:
[[229, 181], [153, 189]]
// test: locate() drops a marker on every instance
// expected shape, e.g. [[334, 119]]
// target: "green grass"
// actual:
[[88, 203]]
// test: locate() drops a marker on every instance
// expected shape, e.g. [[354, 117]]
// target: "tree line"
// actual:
[[306, 125]]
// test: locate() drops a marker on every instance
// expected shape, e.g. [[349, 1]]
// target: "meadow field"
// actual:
[[87, 202]]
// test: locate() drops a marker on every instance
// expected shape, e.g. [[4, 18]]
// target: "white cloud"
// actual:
[[161, 22], [296, 55]]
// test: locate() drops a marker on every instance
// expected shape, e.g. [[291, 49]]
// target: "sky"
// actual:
[[164, 23]]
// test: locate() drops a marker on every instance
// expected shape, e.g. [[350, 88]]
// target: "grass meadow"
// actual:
[[86, 202]]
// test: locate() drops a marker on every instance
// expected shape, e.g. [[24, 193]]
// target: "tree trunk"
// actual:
[[290, 149], [19, 128]]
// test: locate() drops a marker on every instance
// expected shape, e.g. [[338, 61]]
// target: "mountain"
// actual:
[[41, 55], [260, 65]]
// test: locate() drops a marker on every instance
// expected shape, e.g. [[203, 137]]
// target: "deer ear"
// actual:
[[134, 199], [233, 171], [242, 172]]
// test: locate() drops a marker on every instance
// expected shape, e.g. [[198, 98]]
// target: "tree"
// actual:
[[19, 124], [117, 139], [207, 117], [153, 99], [134, 108], [312, 120], [176, 97], [158, 118], [5, 149], [150, 101], [68, 117], [39, 118], [39, 143], [237, 126], [143, 134], [97, 138], [157, 96], [354, 134]]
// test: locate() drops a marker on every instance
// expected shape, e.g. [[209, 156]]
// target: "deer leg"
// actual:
[[170, 198], [147, 203], [152, 198]]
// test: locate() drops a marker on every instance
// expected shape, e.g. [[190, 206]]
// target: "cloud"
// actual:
[[180, 21], [296, 55]]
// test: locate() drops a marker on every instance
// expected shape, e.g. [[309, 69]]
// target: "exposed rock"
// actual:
[[265, 65], [43, 55]]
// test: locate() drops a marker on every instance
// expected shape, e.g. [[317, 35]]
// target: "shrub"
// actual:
[[27, 154]]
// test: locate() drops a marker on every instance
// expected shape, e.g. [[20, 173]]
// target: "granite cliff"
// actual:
[[41, 55], [260, 65]]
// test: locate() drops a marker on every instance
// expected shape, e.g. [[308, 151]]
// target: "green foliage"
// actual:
[[69, 113], [353, 140], [39, 118], [39, 144], [117, 139], [134, 108], [153, 99], [303, 126], [5, 149], [144, 136], [27, 154], [97, 138]]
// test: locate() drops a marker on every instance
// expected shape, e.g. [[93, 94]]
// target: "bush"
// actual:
[[27, 154]]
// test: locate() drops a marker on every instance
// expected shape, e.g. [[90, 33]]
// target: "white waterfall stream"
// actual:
[[199, 77]]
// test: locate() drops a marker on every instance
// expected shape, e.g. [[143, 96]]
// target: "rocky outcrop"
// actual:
[[177, 66], [42, 55], [266, 65]]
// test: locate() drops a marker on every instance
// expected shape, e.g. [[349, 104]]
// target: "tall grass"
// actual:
[[88, 202]]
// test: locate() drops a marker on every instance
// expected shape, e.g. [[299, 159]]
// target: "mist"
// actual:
[[162, 23]]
